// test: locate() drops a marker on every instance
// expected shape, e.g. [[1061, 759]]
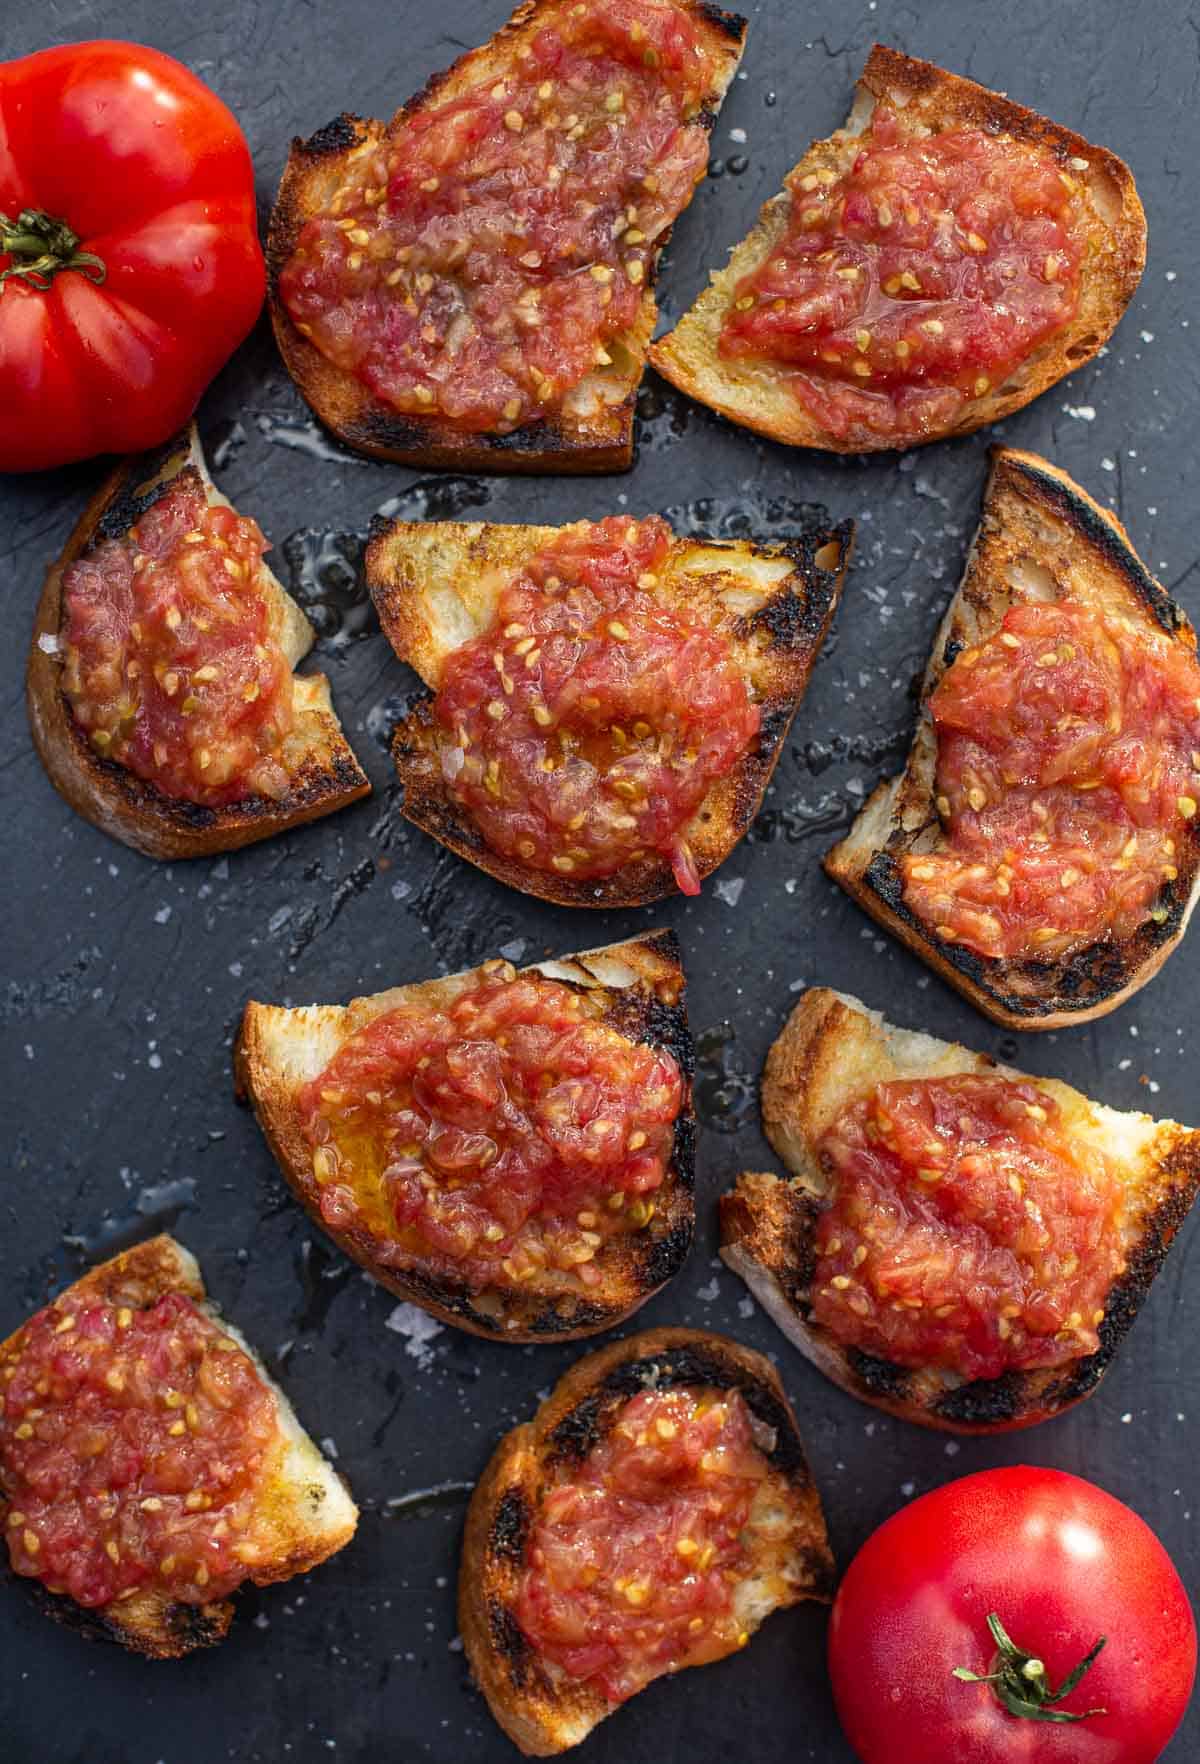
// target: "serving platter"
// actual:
[[125, 979]]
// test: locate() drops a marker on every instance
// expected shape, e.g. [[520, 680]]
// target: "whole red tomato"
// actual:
[[130, 267], [1056, 1564]]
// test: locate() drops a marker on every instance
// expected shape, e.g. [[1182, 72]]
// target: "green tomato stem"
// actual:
[[41, 247], [1020, 1683]]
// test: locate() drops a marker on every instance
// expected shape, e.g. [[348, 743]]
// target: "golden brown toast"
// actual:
[[592, 431], [1040, 536], [323, 770], [305, 1513], [437, 585], [929, 100], [833, 1051], [642, 987], [538, 1706]]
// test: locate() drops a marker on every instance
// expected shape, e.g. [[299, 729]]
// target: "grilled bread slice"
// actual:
[[437, 585], [324, 772], [929, 101], [592, 430], [540, 1708], [1040, 538], [641, 986], [304, 1512], [833, 1051]]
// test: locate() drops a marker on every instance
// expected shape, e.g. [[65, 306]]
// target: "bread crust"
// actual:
[[434, 586], [1038, 530], [831, 1052], [306, 1524], [325, 775], [540, 1710], [756, 395], [593, 429], [642, 984]]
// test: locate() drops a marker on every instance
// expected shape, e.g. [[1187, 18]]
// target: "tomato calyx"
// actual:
[[40, 247], [1020, 1681]]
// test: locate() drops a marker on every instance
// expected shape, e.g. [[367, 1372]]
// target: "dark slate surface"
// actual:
[[127, 977]]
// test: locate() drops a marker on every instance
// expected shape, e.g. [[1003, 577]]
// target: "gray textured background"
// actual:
[[127, 977]]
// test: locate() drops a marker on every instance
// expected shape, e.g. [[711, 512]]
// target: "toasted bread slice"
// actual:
[[324, 772], [304, 1514], [436, 586], [833, 1051], [929, 101], [592, 430], [539, 1707], [1040, 537], [642, 988]]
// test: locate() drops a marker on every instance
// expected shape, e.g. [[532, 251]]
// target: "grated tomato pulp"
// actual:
[[967, 1230], [132, 1447], [634, 1557], [510, 1133], [1068, 754], [477, 263], [172, 666], [584, 728], [919, 277]]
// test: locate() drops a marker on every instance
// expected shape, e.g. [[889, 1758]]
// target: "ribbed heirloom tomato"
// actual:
[[1019, 1616], [130, 267]]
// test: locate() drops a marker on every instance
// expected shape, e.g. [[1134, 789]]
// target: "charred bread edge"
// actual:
[[1095, 979], [798, 623], [777, 1265], [106, 793], [140, 1276], [602, 443], [674, 354], [567, 1426], [642, 1016]]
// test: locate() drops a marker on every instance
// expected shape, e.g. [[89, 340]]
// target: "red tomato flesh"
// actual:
[[630, 1568], [1061, 1563], [172, 667], [917, 279], [132, 1448], [584, 728], [474, 267], [1068, 768], [966, 1230], [510, 1133]]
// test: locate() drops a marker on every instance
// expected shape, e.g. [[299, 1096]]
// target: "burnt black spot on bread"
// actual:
[[510, 1526], [144, 484], [819, 1572], [1076, 512], [667, 1254], [578, 1432], [509, 1641], [879, 1378], [332, 138], [985, 1402], [196, 1626], [731, 24]]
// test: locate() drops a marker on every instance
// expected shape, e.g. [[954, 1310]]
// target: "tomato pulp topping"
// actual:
[[476, 264], [508, 1134], [967, 1229], [1068, 754], [635, 1555], [918, 278], [173, 668], [584, 728], [132, 1448]]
